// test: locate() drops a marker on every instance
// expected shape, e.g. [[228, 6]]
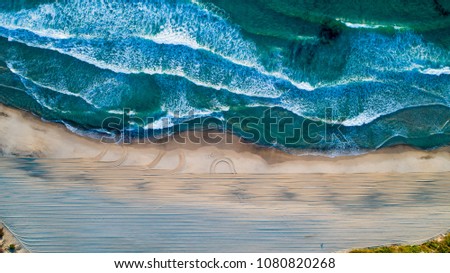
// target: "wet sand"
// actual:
[[24, 135]]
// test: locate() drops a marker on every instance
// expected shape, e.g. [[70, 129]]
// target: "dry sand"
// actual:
[[24, 135], [9, 239]]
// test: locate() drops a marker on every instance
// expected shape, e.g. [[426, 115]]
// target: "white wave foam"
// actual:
[[178, 108], [172, 38], [190, 25], [94, 134], [171, 119], [159, 124], [168, 37], [116, 112], [122, 112], [49, 33], [373, 52], [32, 91], [436, 71], [22, 75], [365, 117], [157, 18], [134, 61], [300, 85], [368, 26]]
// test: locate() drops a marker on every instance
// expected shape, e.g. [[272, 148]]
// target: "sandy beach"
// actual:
[[354, 196], [24, 135], [8, 239]]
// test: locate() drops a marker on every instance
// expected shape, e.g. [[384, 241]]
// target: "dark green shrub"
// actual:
[[12, 248]]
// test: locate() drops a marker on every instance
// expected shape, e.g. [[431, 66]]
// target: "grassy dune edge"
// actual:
[[439, 244]]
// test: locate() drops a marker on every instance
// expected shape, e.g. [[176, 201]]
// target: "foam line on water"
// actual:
[[366, 25], [190, 24], [223, 39], [402, 52], [436, 71], [135, 60], [367, 117], [104, 65], [48, 87]]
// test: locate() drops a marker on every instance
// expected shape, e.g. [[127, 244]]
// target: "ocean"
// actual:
[[375, 73]]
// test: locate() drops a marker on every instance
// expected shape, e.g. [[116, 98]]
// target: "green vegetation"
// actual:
[[439, 245], [12, 248]]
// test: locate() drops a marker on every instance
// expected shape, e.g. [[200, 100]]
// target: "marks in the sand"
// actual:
[[181, 163], [157, 159], [152, 166], [113, 163], [4, 115], [36, 128], [163, 162], [227, 162], [100, 155]]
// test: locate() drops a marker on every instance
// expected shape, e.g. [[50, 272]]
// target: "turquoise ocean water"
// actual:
[[377, 71]]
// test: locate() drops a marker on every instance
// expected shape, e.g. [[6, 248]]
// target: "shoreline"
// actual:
[[436, 244], [267, 179], [9, 239], [24, 135]]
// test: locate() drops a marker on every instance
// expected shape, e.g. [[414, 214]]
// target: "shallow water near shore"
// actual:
[[80, 206]]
